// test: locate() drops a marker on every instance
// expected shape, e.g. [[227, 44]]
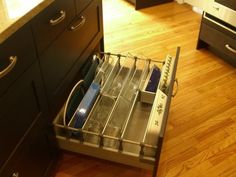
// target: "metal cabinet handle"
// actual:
[[59, 19], [4, 72], [15, 174], [82, 22], [227, 46], [177, 88]]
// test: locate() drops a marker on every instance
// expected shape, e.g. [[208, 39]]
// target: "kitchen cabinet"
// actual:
[[219, 37], [139, 4], [24, 150], [36, 75], [52, 21], [64, 55]]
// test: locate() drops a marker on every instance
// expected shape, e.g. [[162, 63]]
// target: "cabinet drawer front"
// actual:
[[51, 22], [86, 26], [22, 104], [16, 54], [81, 4], [219, 40], [64, 52]]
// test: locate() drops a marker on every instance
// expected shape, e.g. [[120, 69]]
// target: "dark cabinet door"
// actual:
[[139, 4], [20, 107], [33, 157], [17, 53]]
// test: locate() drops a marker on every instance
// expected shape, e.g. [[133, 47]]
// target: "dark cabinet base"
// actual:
[[23, 104], [33, 156], [139, 4], [24, 128]]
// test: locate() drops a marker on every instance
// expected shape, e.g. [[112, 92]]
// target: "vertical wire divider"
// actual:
[[137, 94], [100, 96], [96, 102], [104, 59], [130, 112], [110, 75], [141, 152], [117, 100], [101, 139], [90, 112], [108, 56], [120, 140], [119, 57], [91, 133], [145, 70], [101, 70], [72, 119], [72, 129]]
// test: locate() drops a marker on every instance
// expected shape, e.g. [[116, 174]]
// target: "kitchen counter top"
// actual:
[[15, 13]]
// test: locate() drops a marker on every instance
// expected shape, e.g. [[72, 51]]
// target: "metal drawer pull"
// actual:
[[177, 88], [59, 19], [13, 60], [230, 48], [83, 20], [15, 174]]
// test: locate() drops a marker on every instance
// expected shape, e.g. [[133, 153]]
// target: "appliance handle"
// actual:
[[177, 87], [227, 46]]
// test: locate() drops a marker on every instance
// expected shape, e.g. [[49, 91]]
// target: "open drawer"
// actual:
[[127, 120]]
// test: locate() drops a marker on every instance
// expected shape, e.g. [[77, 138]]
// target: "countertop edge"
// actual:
[[10, 30]]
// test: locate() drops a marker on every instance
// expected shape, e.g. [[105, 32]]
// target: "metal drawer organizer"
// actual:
[[126, 123]]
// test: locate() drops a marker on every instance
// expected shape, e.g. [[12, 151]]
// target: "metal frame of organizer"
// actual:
[[132, 130]]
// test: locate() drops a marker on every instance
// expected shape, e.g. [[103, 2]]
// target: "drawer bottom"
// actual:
[[98, 152]]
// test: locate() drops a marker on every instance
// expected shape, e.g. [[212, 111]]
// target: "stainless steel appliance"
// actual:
[[224, 10], [218, 29]]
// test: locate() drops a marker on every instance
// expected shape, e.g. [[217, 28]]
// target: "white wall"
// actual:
[[196, 3]]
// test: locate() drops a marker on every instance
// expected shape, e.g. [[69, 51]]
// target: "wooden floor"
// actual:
[[200, 140]]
